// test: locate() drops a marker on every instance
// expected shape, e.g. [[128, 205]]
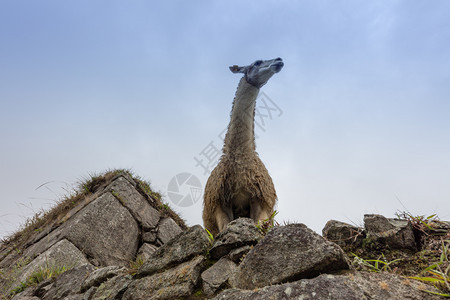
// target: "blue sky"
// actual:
[[87, 86]]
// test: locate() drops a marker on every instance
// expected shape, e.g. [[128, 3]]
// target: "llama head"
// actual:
[[259, 72]]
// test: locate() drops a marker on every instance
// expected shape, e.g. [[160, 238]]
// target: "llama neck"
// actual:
[[240, 137]]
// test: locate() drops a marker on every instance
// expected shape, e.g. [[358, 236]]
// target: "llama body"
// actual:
[[240, 185]]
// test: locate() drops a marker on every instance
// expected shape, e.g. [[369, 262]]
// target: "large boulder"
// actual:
[[289, 253], [91, 230], [355, 286], [104, 229]]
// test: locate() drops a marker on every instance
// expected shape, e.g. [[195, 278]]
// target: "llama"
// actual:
[[240, 185]]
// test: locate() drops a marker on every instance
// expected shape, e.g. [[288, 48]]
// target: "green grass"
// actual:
[[40, 275], [267, 224], [374, 265], [438, 273], [135, 265], [210, 235]]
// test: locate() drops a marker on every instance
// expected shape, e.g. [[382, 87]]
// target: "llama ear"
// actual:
[[237, 69]]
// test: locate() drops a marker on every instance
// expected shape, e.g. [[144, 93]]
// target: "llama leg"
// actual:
[[257, 213], [224, 215]]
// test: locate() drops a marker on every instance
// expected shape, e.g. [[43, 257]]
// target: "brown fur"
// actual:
[[240, 185]]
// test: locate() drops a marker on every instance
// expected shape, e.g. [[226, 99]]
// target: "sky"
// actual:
[[356, 123]]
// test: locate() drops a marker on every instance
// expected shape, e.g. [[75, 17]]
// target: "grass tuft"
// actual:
[[269, 223], [42, 274]]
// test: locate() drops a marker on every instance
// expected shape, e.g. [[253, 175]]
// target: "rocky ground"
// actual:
[[115, 239]]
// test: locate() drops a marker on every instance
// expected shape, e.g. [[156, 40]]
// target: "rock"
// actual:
[[138, 206], [68, 283], [395, 233], [20, 297], [238, 233], [27, 294], [355, 286], [342, 233], [175, 283], [113, 288], [42, 288], [149, 237], [183, 247], [89, 294], [44, 244], [9, 257], [216, 277], [167, 230], [146, 251], [23, 296], [100, 275], [237, 254], [104, 216], [289, 253], [61, 255], [74, 297]]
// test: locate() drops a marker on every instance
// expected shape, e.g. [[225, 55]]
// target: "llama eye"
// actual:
[[258, 62]]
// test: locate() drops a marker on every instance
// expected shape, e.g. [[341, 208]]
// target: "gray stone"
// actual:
[[113, 288], [9, 257], [74, 297], [167, 230], [236, 255], [342, 233], [217, 275], [27, 294], [355, 286], [44, 244], [139, 207], [186, 245], [395, 233], [24, 297], [178, 282], [149, 237], [100, 275], [105, 230], [62, 254], [146, 251], [289, 253], [89, 294], [237, 233], [68, 283]]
